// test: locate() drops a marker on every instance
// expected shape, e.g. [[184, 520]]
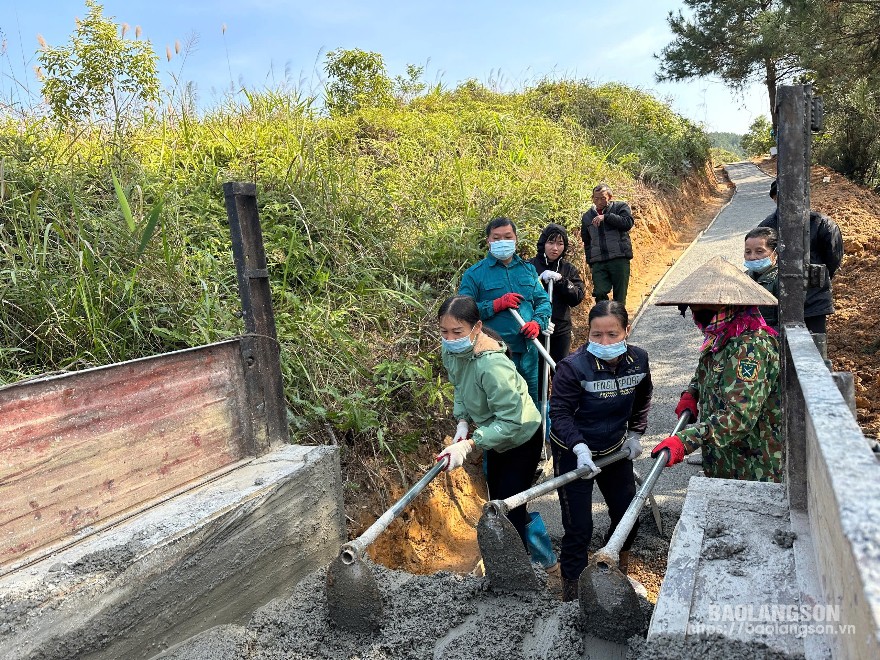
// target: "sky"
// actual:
[[503, 44]]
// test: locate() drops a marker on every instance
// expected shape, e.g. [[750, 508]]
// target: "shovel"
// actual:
[[353, 598], [505, 559], [608, 602]]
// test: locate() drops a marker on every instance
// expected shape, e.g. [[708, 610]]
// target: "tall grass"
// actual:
[[368, 220]]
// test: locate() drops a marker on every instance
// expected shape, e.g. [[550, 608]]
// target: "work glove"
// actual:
[[531, 330], [675, 447], [550, 328], [687, 402], [585, 459], [461, 431], [456, 452], [632, 445], [507, 301], [548, 275]]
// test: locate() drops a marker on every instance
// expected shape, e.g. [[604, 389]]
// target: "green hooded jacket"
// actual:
[[490, 393]]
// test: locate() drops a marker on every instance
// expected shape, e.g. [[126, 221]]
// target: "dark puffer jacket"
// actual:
[[826, 247], [610, 240], [567, 292]]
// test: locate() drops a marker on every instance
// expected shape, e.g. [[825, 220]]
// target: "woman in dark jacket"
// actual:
[[600, 403], [568, 287]]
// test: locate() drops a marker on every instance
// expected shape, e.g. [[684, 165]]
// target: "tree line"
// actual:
[[832, 44]]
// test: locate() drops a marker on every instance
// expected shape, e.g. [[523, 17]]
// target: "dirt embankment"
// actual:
[[438, 531], [853, 341]]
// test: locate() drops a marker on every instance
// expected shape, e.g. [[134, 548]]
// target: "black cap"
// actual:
[[773, 188]]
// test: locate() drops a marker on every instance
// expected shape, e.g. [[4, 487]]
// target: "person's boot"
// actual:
[[569, 590], [554, 581], [623, 562]]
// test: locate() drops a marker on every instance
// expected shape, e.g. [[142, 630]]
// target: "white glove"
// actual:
[[585, 459], [632, 445], [461, 431], [456, 452], [550, 328], [548, 275]]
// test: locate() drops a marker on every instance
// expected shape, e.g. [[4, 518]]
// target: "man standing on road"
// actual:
[[607, 247], [826, 247]]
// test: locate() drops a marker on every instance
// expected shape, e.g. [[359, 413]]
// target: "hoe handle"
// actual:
[[501, 507], [540, 347], [354, 550], [610, 554]]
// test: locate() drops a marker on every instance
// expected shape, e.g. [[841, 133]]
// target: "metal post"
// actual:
[[847, 386], [260, 350], [793, 207], [792, 201]]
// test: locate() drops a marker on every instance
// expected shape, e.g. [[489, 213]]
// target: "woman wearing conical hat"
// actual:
[[734, 394]]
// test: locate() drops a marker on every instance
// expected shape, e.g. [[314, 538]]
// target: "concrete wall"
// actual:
[[843, 503], [207, 557]]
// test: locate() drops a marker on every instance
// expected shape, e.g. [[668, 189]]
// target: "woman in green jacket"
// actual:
[[491, 394]]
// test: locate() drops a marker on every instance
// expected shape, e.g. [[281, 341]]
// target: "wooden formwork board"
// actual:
[[79, 448]]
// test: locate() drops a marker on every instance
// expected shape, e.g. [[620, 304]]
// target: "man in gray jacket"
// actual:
[[607, 247]]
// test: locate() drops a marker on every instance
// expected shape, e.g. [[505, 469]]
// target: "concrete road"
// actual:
[[673, 343]]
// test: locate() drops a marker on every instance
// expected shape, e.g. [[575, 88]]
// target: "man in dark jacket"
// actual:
[[568, 287], [607, 247], [826, 247]]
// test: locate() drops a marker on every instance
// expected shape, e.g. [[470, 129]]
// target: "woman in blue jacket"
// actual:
[[600, 402], [504, 281]]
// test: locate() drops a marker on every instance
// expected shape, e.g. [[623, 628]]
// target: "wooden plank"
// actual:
[[79, 448]]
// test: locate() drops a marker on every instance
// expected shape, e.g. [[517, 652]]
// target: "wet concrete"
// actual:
[[442, 616], [716, 647]]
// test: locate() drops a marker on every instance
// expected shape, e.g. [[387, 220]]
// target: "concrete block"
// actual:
[[209, 556], [731, 566]]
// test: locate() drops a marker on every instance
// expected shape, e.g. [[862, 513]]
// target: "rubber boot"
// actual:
[[569, 590], [538, 541], [623, 562], [554, 581]]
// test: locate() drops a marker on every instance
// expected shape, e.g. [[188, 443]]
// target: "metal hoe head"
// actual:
[[609, 604], [507, 564], [353, 599]]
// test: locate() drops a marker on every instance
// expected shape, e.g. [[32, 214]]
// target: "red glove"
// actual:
[[507, 301], [675, 447], [531, 330], [687, 402]]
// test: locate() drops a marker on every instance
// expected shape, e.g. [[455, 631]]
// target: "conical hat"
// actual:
[[717, 282]]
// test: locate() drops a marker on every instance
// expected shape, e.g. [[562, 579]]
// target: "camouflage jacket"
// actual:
[[740, 421]]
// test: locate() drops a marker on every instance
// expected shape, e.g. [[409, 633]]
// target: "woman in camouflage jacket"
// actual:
[[734, 394]]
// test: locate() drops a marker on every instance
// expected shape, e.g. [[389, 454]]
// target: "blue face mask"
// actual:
[[607, 351], [460, 345], [502, 249], [758, 264]]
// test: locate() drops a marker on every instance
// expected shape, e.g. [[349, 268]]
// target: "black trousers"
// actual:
[[816, 324], [560, 347], [618, 486], [511, 472]]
